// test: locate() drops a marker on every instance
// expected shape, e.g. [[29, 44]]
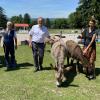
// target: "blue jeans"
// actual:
[[38, 53]]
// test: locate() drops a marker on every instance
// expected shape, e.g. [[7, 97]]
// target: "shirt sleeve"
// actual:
[[15, 36], [31, 31], [95, 32], [47, 33]]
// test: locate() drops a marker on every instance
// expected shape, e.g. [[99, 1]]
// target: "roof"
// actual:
[[21, 25]]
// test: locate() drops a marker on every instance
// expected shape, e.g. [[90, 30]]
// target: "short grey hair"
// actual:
[[9, 23]]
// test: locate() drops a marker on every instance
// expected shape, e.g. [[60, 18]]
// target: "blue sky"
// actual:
[[36, 8]]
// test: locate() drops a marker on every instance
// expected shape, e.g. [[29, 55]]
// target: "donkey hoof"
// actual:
[[91, 77], [58, 84]]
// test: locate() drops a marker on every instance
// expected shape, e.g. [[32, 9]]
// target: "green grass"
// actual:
[[24, 84]]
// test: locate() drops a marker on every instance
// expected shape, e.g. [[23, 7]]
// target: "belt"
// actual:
[[37, 42]]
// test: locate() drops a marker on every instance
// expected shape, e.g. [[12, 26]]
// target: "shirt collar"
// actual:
[[40, 27]]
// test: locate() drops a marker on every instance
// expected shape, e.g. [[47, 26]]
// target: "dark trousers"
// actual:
[[38, 53], [9, 49]]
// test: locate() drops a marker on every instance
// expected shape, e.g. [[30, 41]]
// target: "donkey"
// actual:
[[74, 51], [58, 52]]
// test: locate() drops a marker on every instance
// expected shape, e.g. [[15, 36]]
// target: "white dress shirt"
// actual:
[[38, 33]]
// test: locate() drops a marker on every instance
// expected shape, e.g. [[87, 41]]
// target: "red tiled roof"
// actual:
[[21, 25]]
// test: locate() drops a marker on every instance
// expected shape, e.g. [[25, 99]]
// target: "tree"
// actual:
[[3, 18], [60, 23], [27, 18], [95, 4], [15, 19], [71, 20], [85, 10], [47, 22], [20, 19], [33, 22]]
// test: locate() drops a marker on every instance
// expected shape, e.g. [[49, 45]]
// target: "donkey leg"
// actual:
[[77, 67], [67, 61], [58, 75], [91, 73], [58, 78]]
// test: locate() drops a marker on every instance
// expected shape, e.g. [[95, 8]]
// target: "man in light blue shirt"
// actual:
[[37, 36]]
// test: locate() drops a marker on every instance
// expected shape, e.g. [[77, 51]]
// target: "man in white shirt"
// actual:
[[37, 36]]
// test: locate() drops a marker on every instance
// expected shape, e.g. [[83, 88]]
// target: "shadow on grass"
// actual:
[[47, 68], [70, 78], [24, 65], [50, 67], [20, 66], [70, 75], [48, 51], [2, 61], [97, 71]]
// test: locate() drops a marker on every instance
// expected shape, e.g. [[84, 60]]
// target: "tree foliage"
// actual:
[[21, 19], [3, 18], [60, 23], [85, 10], [15, 19], [27, 18], [47, 22]]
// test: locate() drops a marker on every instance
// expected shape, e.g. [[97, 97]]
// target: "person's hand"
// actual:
[[56, 40], [51, 41], [30, 44], [85, 52]]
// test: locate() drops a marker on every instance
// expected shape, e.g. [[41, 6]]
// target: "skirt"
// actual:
[[91, 54]]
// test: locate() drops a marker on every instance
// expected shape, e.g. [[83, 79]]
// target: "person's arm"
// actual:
[[15, 42], [15, 38], [30, 36], [30, 40], [48, 38], [51, 40], [93, 39]]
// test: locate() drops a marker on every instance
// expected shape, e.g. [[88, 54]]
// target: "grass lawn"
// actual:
[[24, 84]]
